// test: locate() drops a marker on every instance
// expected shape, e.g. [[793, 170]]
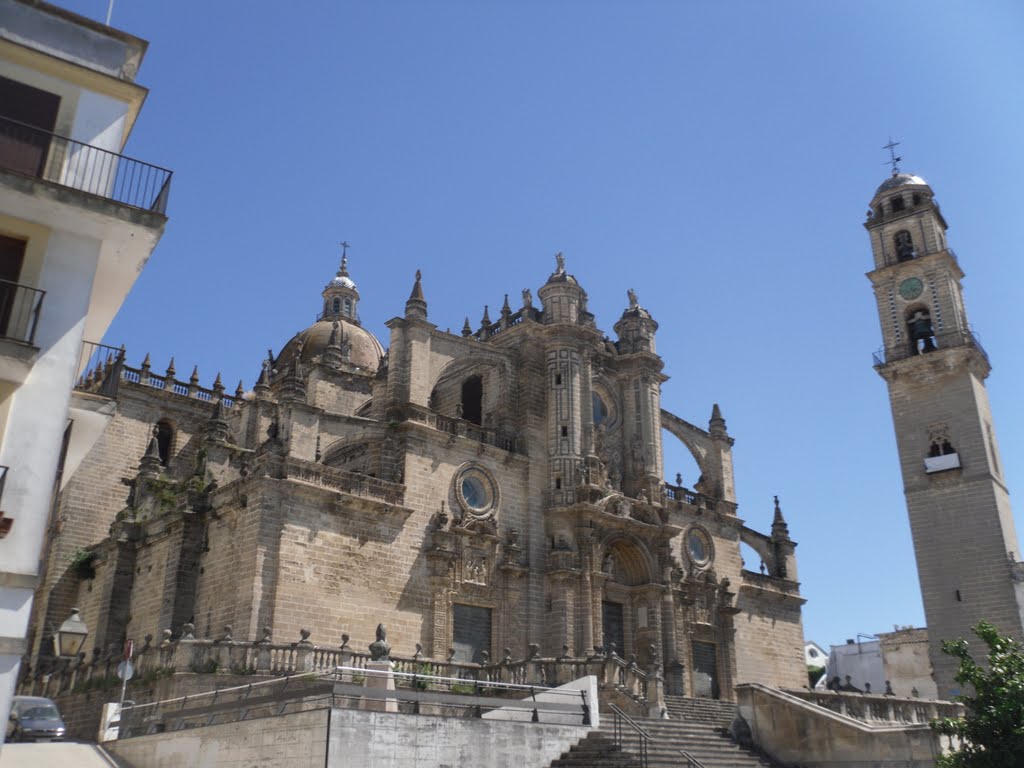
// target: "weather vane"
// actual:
[[893, 160]]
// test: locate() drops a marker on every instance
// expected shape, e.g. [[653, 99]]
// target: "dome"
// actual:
[[364, 350], [900, 180], [342, 281]]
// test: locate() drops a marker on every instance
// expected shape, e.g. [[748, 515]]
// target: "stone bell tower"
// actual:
[[964, 537]]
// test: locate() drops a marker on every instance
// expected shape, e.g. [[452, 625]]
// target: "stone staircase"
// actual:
[[597, 750], [697, 726]]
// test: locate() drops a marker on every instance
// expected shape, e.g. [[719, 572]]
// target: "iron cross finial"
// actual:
[[344, 259], [893, 160]]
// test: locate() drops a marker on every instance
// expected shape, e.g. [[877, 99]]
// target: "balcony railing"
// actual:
[[100, 369], [58, 159], [962, 338], [19, 311]]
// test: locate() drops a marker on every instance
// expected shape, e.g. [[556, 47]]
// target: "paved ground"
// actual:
[[53, 755]]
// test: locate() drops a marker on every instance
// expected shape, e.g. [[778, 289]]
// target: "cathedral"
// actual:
[[476, 492]]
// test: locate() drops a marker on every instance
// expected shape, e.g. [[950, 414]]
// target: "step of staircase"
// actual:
[[710, 711], [596, 750], [706, 742]]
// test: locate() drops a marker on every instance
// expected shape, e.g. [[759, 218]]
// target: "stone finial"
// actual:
[[239, 390], [165, 642], [508, 656], [218, 385], [419, 651], [317, 455], [716, 425], [266, 639], [467, 329], [506, 310], [194, 378], [486, 319], [780, 531], [451, 655], [380, 650], [416, 306], [534, 651], [228, 632], [304, 636], [170, 369], [145, 362], [344, 641], [527, 298], [485, 657], [150, 465], [559, 263], [333, 355], [262, 388], [188, 631], [634, 303]]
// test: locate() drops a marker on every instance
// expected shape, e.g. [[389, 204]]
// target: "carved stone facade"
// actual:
[[476, 493]]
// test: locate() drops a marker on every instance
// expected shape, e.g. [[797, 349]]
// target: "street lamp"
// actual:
[[71, 635]]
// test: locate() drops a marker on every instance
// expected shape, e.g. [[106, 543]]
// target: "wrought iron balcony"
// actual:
[[964, 338], [60, 160], [19, 311]]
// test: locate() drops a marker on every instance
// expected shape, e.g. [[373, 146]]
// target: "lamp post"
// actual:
[[71, 635]]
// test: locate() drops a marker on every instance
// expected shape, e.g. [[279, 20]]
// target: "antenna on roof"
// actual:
[[110, 11], [893, 160]]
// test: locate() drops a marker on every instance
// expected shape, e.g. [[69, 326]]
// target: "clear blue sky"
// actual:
[[717, 157]]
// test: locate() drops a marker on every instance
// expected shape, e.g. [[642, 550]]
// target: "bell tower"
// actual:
[[935, 368]]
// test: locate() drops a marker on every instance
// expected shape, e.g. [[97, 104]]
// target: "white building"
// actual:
[[78, 221]]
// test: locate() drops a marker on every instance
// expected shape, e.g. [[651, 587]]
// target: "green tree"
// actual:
[[992, 731]]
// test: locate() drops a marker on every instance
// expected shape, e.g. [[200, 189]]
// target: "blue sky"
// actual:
[[717, 157]]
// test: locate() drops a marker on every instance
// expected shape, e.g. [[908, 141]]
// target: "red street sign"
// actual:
[[129, 646]]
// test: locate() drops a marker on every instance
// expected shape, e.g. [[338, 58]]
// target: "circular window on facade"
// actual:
[[699, 546], [476, 490]]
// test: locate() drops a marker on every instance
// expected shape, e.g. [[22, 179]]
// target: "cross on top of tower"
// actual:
[[893, 160], [343, 272]]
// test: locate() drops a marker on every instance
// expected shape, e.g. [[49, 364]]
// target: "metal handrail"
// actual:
[[20, 306], [691, 761], [643, 737], [944, 340], [40, 154]]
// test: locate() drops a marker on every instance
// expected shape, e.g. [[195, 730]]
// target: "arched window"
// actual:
[[164, 440], [473, 399], [348, 307], [919, 327], [904, 246], [896, 203], [337, 306]]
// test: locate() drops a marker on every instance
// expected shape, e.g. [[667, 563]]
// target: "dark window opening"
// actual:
[[558, 379], [600, 410], [558, 483], [565, 431], [916, 198], [897, 204], [473, 399], [922, 336], [940, 448], [958, 598], [12, 255], [904, 246], [613, 626], [471, 632], [24, 148], [337, 306], [164, 441]]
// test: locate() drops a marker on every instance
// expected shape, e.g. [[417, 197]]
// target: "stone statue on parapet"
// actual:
[[379, 648]]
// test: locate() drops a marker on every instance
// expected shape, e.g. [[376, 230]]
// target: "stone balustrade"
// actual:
[[225, 656], [878, 709]]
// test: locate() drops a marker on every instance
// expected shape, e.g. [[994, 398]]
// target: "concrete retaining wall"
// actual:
[[353, 739]]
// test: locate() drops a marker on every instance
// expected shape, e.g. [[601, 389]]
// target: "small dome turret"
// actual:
[[341, 297]]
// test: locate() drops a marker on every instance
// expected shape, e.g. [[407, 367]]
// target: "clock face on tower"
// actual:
[[911, 288]]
